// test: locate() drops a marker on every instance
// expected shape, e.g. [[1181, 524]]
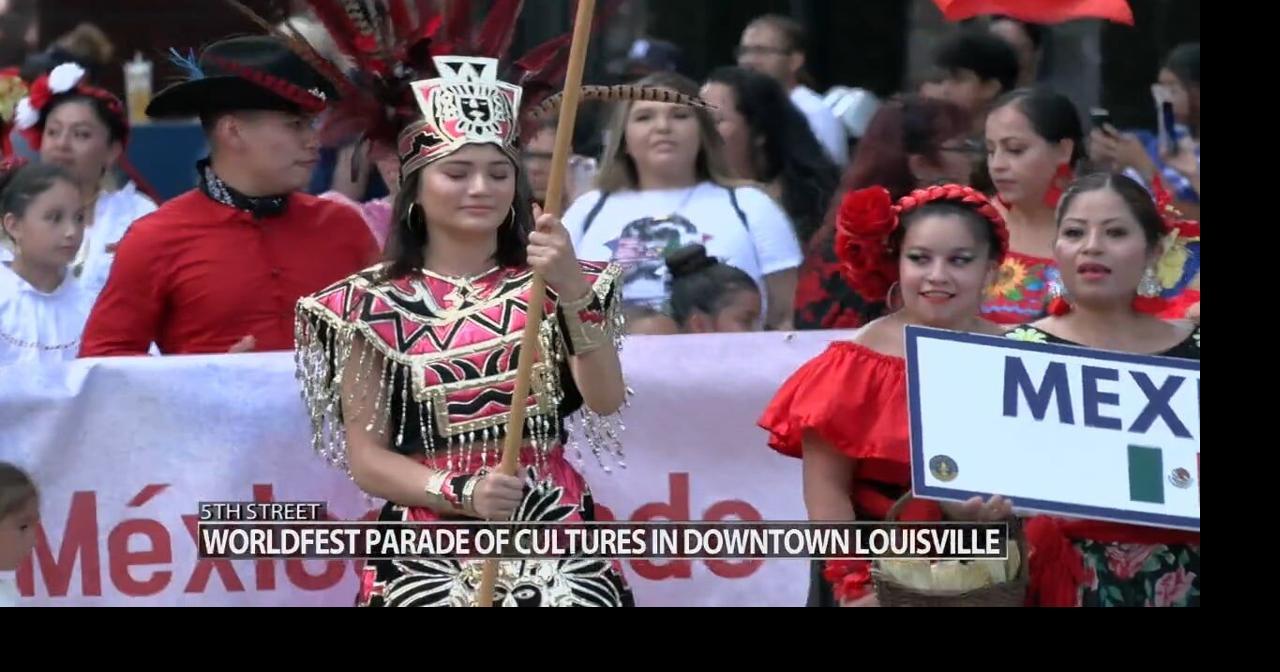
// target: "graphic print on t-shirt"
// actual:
[[641, 250]]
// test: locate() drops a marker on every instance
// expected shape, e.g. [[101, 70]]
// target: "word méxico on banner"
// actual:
[[650, 541]]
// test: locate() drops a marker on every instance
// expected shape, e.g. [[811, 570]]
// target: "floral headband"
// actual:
[[868, 217], [65, 78]]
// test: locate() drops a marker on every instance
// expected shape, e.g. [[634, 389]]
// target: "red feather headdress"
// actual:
[[395, 45]]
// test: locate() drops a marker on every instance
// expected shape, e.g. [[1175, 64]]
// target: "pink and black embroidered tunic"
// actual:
[[444, 353]]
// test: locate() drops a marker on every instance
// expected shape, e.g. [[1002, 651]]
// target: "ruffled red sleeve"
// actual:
[[853, 397]]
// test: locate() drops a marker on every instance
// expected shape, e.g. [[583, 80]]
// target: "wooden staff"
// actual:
[[538, 292]]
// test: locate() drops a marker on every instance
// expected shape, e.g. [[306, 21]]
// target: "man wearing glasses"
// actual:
[[774, 45]]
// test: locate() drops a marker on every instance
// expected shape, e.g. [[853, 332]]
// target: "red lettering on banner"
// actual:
[[79, 538], [146, 494], [298, 575], [79, 550], [733, 508], [677, 509], [160, 552], [199, 580]]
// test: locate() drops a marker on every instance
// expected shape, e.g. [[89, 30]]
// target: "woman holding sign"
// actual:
[[845, 411], [1109, 238]]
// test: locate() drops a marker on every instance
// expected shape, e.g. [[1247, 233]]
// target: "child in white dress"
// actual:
[[42, 308]]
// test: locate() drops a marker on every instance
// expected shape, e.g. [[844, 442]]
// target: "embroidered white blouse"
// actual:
[[40, 326], [113, 214]]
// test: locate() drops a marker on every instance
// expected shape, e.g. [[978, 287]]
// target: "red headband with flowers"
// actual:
[[868, 217], [65, 78]]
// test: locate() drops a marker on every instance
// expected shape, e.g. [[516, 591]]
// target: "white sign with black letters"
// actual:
[[1059, 429]]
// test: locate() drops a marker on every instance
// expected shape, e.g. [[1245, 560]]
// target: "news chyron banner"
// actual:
[[252, 530], [126, 450]]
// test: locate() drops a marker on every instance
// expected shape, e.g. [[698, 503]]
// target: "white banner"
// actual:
[[1065, 430], [124, 449]]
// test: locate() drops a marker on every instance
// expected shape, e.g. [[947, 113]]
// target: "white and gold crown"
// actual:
[[466, 104]]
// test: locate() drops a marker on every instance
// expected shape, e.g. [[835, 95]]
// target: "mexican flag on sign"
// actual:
[[1147, 479]]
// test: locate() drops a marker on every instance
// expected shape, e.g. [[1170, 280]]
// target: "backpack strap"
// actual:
[[733, 198], [595, 210]]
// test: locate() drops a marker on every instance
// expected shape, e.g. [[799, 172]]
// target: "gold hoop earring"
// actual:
[[893, 299], [414, 213], [510, 222]]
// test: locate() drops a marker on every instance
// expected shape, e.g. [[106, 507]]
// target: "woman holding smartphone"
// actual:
[[1173, 154]]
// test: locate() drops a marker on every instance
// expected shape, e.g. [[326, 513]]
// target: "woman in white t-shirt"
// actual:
[[664, 184]]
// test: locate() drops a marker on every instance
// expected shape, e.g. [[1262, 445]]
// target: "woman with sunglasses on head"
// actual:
[[911, 142], [663, 184]]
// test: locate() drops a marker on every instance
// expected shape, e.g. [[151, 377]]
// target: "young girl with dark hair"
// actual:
[[42, 308], [709, 296]]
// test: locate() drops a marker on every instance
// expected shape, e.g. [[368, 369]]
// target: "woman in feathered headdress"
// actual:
[[409, 368]]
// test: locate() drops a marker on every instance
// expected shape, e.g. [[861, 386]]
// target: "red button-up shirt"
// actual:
[[197, 276]]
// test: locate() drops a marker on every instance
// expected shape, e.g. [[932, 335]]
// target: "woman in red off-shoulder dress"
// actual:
[[845, 411]]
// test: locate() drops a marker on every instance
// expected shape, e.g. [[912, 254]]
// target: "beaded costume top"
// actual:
[[457, 341]]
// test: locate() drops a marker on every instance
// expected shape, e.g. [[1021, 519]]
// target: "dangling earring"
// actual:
[[1061, 178], [1149, 287], [1148, 299], [1058, 303]]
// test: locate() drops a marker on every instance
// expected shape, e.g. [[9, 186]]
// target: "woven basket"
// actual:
[[1012, 593]]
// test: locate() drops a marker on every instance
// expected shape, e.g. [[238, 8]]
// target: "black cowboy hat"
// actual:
[[244, 73]]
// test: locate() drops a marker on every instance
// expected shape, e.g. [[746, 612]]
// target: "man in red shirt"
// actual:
[[219, 268]]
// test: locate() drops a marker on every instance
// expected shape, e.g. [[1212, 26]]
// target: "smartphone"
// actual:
[[1167, 124], [1100, 118]]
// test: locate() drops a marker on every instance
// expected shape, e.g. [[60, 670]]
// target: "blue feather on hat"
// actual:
[[187, 63]]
